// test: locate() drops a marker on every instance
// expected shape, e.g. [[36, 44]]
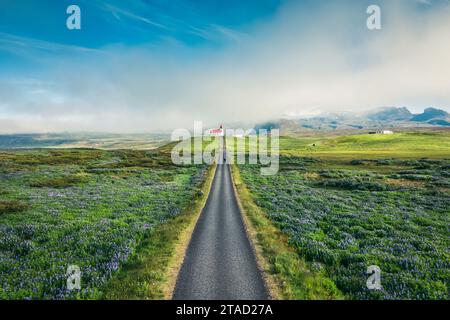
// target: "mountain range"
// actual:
[[380, 118]]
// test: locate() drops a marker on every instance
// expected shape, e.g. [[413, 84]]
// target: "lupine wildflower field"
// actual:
[[83, 207], [344, 211]]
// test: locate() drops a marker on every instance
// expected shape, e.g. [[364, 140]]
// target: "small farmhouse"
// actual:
[[381, 132]]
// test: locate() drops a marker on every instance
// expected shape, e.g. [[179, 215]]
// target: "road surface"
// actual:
[[219, 262]]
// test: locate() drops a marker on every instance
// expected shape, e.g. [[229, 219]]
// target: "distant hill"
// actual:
[[439, 122], [431, 114], [391, 114], [13, 141], [83, 140], [268, 126]]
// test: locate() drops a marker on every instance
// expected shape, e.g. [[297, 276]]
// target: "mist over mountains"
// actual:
[[380, 118]]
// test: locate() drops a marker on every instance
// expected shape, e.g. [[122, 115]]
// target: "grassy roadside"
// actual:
[[287, 275], [152, 271]]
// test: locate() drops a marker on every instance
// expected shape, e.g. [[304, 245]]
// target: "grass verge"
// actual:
[[287, 276], [152, 271]]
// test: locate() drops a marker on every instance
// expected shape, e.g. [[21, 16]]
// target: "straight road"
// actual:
[[219, 262]]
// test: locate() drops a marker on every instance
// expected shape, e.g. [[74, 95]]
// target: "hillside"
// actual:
[[431, 114], [391, 114]]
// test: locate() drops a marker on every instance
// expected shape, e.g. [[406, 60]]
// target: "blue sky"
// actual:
[[145, 65], [130, 23]]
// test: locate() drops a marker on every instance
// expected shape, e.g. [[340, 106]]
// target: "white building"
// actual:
[[382, 132]]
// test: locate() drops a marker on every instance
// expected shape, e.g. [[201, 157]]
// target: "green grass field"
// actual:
[[86, 207], [349, 202], [398, 145], [337, 205]]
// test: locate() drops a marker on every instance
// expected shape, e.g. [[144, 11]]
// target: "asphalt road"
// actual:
[[220, 263]]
